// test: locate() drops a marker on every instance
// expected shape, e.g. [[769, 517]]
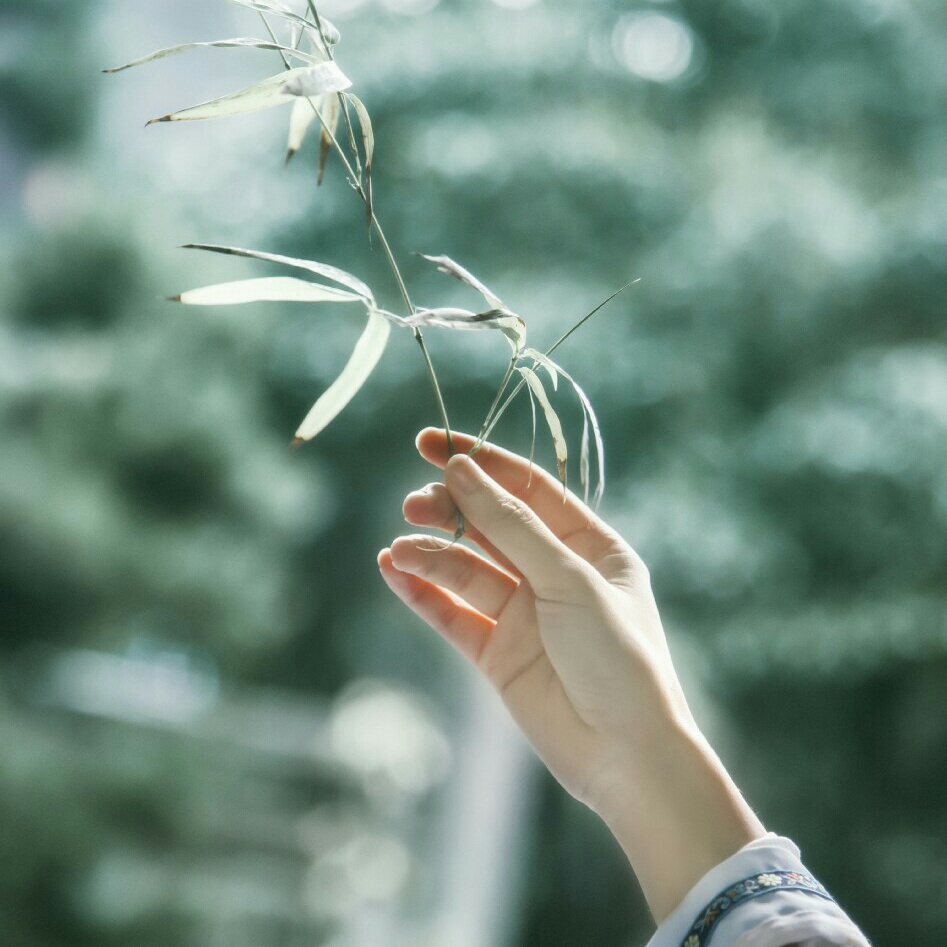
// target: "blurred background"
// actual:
[[217, 726]]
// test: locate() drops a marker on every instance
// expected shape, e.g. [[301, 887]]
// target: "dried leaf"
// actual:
[[532, 443], [584, 458], [368, 350], [273, 8], [223, 43], [446, 265], [551, 367], [588, 418], [302, 117], [320, 269], [264, 95], [317, 80], [599, 444], [552, 420], [368, 143], [267, 289], [365, 123], [330, 115], [449, 318]]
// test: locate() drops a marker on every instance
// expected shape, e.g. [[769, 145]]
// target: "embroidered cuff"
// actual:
[[728, 904]]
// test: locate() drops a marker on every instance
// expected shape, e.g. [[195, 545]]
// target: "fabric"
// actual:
[[762, 896]]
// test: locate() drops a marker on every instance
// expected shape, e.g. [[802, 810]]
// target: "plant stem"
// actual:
[[342, 103], [496, 400], [356, 182], [549, 351]]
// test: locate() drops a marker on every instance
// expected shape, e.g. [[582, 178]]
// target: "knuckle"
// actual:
[[512, 510]]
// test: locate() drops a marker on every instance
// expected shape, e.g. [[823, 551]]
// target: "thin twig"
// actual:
[[496, 400], [549, 351], [356, 181]]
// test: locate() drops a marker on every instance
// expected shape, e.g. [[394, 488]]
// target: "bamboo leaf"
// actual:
[[552, 420], [223, 43], [317, 80], [300, 120], [368, 143], [368, 350], [588, 419], [320, 269], [267, 289], [446, 265], [511, 325], [263, 95], [532, 443], [330, 115], [584, 458], [599, 443], [551, 367], [273, 8], [365, 123]]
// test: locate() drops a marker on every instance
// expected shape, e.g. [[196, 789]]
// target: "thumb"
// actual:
[[551, 568]]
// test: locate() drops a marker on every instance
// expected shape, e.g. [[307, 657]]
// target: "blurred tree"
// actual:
[[772, 397]]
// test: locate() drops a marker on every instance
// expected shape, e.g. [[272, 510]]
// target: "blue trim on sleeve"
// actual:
[[752, 887]]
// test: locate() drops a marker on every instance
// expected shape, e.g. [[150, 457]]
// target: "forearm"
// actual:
[[675, 811]]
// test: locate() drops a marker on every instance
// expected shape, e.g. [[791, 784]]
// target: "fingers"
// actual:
[[550, 567], [539, 490], [433, 507], [456, 568], [464, 627]]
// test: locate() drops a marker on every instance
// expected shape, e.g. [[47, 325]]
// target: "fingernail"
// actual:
[[421, 433], [463, 473]]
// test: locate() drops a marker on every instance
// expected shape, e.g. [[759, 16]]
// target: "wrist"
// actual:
[[674, 810]]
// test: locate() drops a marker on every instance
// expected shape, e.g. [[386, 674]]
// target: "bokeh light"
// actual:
[[653, 46]]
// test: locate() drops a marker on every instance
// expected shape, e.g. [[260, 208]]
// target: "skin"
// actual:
[[561, 620]]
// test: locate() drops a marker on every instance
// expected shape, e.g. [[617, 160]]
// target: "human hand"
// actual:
[[567, 630]]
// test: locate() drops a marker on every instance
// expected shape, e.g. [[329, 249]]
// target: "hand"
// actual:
[[565, 627], [567, 631]]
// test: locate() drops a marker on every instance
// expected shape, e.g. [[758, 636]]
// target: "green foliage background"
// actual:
[[773, 397]]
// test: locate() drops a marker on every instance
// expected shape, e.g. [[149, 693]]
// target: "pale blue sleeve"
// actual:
[[762, 896]]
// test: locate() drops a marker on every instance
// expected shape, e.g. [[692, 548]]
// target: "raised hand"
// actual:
[[564, 625], [567, 630]]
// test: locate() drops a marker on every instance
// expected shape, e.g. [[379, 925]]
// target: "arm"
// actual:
[[569, 634]]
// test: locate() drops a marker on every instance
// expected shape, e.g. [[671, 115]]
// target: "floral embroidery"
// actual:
[[751, 887]]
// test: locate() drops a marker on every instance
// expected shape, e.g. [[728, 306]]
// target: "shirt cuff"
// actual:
[[762, 896]]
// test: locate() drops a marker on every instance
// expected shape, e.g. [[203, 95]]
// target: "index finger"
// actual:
[[540, 490]]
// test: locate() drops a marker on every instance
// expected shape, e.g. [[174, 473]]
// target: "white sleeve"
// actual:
[[762, 896]]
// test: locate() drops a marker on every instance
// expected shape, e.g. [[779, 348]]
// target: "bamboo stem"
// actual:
[[355, 179]]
